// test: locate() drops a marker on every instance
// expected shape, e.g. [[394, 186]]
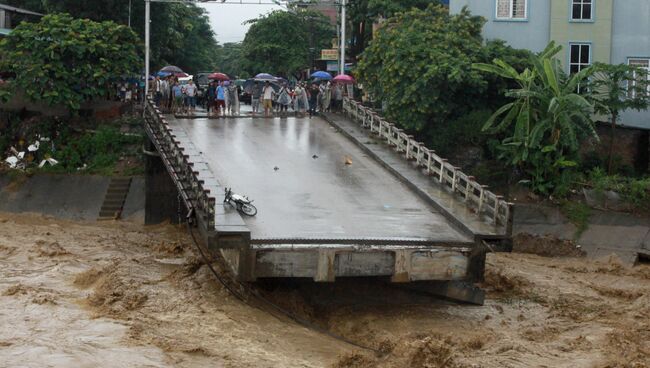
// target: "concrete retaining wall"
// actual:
[[608, 233], [72, 197]]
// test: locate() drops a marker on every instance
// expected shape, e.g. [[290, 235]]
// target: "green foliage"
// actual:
[[99, 150], [66, 61], [461, 133], [615, 88], [420, 66], [635, 191], [547, 119], [284, 43], [180, 33], [578, 214], [230, 60], [362, 14]]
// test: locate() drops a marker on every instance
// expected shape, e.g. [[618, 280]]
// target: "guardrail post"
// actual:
[[442, 170], [497, 201], [469, 189], [481, 198], [454, 178]]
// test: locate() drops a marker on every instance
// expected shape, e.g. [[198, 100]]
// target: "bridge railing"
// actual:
[[483, 202], [191, 188]]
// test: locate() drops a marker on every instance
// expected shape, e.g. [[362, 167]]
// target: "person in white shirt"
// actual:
[[190, 92], [267, 98]]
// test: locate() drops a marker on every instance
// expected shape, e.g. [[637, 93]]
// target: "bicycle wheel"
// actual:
[[248, 209]]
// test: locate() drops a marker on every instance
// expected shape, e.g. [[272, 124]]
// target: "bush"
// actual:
[[635, 191], [99, 150]]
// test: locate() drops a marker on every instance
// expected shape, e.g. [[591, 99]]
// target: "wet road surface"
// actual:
[[295, 170]]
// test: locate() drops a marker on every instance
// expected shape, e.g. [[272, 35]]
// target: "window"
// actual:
[[644, 66], [512, 9], [582, 9], [580, 57]]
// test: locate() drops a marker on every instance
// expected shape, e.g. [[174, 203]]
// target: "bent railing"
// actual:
[[197, 195], [476, 196]]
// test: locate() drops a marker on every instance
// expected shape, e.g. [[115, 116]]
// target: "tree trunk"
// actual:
[[610, 160]]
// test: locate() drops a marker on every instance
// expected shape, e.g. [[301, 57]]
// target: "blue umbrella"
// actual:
[[321, 75], [265, 76], [163, 74]]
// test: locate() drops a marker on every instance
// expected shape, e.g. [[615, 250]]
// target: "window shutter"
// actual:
[[519, 9], [503, 8]]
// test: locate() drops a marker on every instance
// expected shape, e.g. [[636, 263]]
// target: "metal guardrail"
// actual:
[[476, 196], [193, 190]]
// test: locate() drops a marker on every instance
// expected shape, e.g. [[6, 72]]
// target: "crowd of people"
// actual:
[[221, 98], [303, 98], [173, 96]]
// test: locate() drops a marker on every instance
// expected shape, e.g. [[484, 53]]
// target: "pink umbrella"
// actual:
[[344, 78], [219, 76]]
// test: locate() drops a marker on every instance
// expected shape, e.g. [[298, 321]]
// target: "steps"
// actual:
[[114, 198]]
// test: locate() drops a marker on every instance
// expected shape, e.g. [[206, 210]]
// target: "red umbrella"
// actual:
[[344, 78], [181, 75], [219, 76]]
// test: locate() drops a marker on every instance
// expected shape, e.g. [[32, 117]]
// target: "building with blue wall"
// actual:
[[609, 31]]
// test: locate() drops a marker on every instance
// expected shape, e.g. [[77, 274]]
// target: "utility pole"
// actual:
[[129, 13], [342, 53], [147, 44]]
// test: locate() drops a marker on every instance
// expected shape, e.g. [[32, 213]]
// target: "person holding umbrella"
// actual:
[[314, 91], [256, 93], [267, 98], [220, 106], [337, 97]]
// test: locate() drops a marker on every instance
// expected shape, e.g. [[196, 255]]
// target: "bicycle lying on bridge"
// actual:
[[241, 203]]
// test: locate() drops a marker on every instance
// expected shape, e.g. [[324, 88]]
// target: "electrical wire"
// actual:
[[269, 303]]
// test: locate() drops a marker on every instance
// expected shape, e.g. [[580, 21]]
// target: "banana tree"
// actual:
[[546, 120]]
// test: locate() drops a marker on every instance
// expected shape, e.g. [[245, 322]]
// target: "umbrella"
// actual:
[[219, 76], [264, 77], [321, 75], [171, 69], [182, 75], [163, 74], [344, 78]]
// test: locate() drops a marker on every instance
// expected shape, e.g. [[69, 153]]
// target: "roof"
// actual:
[[19, 10]]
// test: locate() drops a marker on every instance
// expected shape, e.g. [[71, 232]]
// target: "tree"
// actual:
[[420, 66], [549, 118], [364, 13], [230, 60], [284, 43], [614, 89], [66, 61], [180, 33]]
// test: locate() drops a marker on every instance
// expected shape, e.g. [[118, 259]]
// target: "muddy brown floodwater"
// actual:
[[124, 295]]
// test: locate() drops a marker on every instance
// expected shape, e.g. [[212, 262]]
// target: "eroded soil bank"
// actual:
[[120, 294]]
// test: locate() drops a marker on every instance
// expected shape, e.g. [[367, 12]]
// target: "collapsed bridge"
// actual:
[[338, 196]]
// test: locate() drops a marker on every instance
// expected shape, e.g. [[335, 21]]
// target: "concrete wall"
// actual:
[[631, 39], [71, 197], [532, 33]]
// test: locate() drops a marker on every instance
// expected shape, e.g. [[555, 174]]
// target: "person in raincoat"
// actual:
[[284, 100], [299, 102], [232, 100]]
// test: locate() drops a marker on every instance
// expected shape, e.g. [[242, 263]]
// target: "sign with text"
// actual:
[[329, 54]]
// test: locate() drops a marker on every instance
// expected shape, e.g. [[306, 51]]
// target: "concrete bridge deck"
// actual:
[[295, 169]]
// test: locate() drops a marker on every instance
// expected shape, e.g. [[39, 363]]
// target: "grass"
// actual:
[[578, 214]]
